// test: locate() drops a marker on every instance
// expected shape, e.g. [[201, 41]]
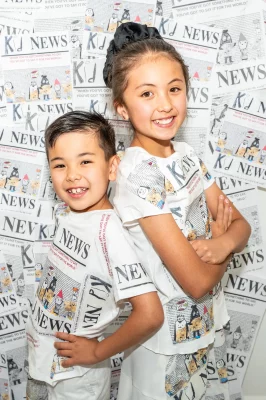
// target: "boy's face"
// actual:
[[79, 171]]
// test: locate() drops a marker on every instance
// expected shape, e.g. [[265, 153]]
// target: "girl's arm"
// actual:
[[235, 236], [195, 277], [145, 319]]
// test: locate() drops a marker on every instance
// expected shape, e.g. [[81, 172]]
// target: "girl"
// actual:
[[163, 196]]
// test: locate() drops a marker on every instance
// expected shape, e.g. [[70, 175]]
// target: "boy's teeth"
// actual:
[[77, 190], [163, 121]]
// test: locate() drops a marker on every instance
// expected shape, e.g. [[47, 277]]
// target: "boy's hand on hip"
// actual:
[[78, 350]]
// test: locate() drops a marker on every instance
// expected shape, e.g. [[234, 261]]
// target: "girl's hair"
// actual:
[[131, 50]]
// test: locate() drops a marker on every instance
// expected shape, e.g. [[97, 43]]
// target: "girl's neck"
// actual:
[[157, 148]]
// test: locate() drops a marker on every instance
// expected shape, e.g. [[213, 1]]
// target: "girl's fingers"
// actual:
[[220, 209], [226, 214], [230, 216]]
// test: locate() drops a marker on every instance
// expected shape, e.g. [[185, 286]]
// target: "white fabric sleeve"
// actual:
[[129, 275], [140, 192]]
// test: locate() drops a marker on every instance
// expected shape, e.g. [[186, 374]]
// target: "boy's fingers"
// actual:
[[67, 363], [64, 353], [63, 345], [66, 336]]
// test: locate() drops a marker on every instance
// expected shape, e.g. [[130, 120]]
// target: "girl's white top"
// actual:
[[149, 185]]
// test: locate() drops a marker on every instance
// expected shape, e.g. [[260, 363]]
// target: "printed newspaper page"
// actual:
[[8, 297]]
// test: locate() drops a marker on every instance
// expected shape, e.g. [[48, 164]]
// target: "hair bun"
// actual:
[[127, 32]]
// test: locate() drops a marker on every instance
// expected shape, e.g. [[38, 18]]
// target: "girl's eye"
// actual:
[[174, 89], [146, 94]]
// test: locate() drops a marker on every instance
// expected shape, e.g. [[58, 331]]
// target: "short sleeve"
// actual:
[[129, 275], [140, 191], [207, 177]]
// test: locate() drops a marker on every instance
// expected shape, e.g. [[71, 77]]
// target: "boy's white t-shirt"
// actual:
[[149, 185], [91, 268]]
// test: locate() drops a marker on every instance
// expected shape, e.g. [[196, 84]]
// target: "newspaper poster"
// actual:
[[95, 44], [21, 5], [107, 15], [63, 4], [36, 67], [246, 302], [201, 10], [163, 8], [11, 24], [69, 19], [242, 38], [239, 150], [244, 197], [5, 392], [35, 117], [8, 298], [13, 327]]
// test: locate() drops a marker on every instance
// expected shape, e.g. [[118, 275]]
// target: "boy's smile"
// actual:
[[80, 172]]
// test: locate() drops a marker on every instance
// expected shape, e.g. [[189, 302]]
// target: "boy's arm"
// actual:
[[145, 319], [232, 239]]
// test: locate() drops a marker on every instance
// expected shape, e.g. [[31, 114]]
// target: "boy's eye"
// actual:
[[59, 166], [86, 162], [146, 94]]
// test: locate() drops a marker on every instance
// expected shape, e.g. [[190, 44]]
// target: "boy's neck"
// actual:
[[104, 205]]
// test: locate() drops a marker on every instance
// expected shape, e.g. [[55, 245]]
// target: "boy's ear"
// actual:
[[122, 111], [113, 164]]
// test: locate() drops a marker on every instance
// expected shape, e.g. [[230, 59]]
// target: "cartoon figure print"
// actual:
[[35, 183], [89, 20], [58, 302], [243, 46], [125, 16], [262, 155], [24, 184], [57, 89], [236, 337], [49, 293], [6, 282], [195, 324], [153, 197], [76, 46], [206, 319], [71, 306], [33, 89], [222, 137], [222, 371], [45, 88], [191, 364], [3, 179], [120, 150], [38, 272], [48, 192], [181, 328], [190, 231], [159, 8], [13, 179], [43, 289], [113, 23], [205, 171], [201, 356], [242, 148], [20, 285], [253, 150], [13, 371], [226, 49], [9, 92], [169, 188]]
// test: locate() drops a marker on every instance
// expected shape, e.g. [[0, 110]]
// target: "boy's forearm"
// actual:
[[135, 330]]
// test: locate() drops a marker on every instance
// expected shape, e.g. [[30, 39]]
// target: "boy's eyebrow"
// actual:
[[79, 155], [151, 84]]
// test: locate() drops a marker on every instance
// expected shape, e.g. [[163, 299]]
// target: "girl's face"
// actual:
[[155, 100]]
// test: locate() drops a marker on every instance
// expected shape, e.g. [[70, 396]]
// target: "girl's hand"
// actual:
[[78, 350], [223, 217], [212, 251]]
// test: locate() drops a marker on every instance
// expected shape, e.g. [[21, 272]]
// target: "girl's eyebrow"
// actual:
[[151, 84], [79, 155]]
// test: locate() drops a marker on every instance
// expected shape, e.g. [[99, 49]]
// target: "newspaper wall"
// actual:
[[52, 56]]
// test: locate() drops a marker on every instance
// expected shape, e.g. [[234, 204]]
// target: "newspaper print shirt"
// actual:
[[91, 267], [149, 185]]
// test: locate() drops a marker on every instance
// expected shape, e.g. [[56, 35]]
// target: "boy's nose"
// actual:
[[73, 176]]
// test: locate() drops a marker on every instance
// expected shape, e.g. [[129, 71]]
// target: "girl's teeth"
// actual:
[[163, 121]]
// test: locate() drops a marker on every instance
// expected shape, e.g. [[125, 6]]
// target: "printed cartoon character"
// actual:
[[57, 89], [6, 281], [113, 23], [208, 73], [3, 179], [195, 324], [25, 183], [262, 155], [33, 91], [43, 289], [196, 77], [48, 192], [191, 364], [181, 329], [257, 45], [58, 302], [76, 46], [120, 150], [159, 8], [49, 294], [9, 92], [13, 371], [227, 328], [201, 356], [71, 306], [243, 45], [236, 337], [211, 312], [169, 188], [222, 371], [222, 137], [38, 272], [13, 179], [126, 15], [143, 192], [226, 48], [20, 284], [89, 20], [35, 183], [10, 270], [242, 148], [190, 231], [45, 88], [156, 198], [253, 150], [67, 87], [205, 171]]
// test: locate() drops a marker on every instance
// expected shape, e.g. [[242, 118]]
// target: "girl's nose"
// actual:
[[164, 103]]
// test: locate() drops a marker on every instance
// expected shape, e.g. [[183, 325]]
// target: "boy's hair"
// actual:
[[82, 121], [128, 48]]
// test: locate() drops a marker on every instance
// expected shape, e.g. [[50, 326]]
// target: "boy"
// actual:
[[91, 268]]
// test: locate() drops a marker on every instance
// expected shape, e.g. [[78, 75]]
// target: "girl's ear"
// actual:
[[122, 111], [113, 167]]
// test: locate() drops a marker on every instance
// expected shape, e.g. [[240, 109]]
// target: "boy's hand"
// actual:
[[78, 350], [223, 217], [212, 251]]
